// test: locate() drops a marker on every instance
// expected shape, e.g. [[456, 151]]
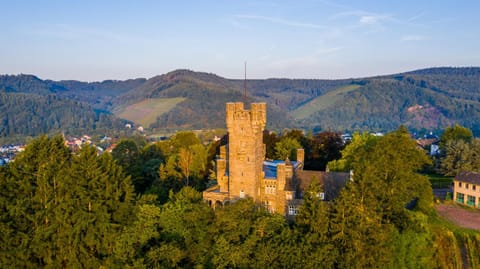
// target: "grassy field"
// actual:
[[322, 102], [147, 111]]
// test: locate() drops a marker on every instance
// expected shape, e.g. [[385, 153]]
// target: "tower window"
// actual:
[[270, 189]]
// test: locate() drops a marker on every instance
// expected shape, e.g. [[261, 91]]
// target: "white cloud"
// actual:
[[368, 19]]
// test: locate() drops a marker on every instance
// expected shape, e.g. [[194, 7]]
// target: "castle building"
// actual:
[[242, 170]]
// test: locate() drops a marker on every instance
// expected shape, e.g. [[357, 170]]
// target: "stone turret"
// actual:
[[222, 172], [300, 155]]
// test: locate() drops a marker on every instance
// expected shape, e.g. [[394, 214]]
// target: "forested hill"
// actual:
[[194, 100], [24, 115], [30, 106], [424, 99], [97, 94]]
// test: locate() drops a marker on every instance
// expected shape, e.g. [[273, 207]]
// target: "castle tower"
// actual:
[[246, 150]]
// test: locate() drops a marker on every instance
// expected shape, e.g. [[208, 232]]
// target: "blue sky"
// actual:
[[324, 39]]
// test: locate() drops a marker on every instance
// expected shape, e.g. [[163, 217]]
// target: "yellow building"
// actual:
[[466, 189], [242, 170]]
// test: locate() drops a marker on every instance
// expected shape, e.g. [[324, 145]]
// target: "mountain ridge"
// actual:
[[441, 96]]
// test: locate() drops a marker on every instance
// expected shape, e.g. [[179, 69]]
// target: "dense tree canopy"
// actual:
[[460, 156], [62, 210], [286, 148], [455, 133], [325, 147], [78, 210], [350, 153]]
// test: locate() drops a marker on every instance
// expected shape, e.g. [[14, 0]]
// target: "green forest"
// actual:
[[423, 100], [27, 115], [141, 207]]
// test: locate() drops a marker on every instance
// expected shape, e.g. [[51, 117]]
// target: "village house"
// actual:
[[466, 189], [242, 170], [429, 142]]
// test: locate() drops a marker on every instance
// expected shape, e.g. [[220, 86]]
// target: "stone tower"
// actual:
[[246, 150]]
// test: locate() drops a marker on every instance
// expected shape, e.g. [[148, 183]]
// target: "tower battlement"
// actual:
[[255, 118]]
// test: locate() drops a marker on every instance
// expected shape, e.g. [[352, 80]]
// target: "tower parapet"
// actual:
[[259, 115]]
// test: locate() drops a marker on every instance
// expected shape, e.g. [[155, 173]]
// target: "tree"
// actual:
[[461, 156], [170, 179], [456, 133], [351, 152], [199, 161], [127, 155], [140, 163], [185, 221], [31, 191], [230, 232], [184, 140], [138, 241], [359, 235], [174, 235], [64, 211], [98, 200], [326, 146], [185, 159], [305, 141], [386, 178], [286, 148], [313, 222], [270, 139]]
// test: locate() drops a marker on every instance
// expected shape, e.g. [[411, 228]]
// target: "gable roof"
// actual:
[[331, 182], [468, 177]]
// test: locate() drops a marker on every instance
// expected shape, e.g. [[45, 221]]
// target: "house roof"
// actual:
[[468, 177], [427, 141], [270, 167], [331, 182]]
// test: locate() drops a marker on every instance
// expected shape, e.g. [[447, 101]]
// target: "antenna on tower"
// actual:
[[245, 84]]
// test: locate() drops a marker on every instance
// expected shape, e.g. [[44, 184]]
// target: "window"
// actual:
[[466, 186], [242, 194], [292, 210], [460, 198], [268, 206], [474, 187], [470, 200], [270, 189], [460, 184]]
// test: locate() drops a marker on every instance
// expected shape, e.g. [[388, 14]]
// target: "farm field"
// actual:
[[146, 111], [322, 102]]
